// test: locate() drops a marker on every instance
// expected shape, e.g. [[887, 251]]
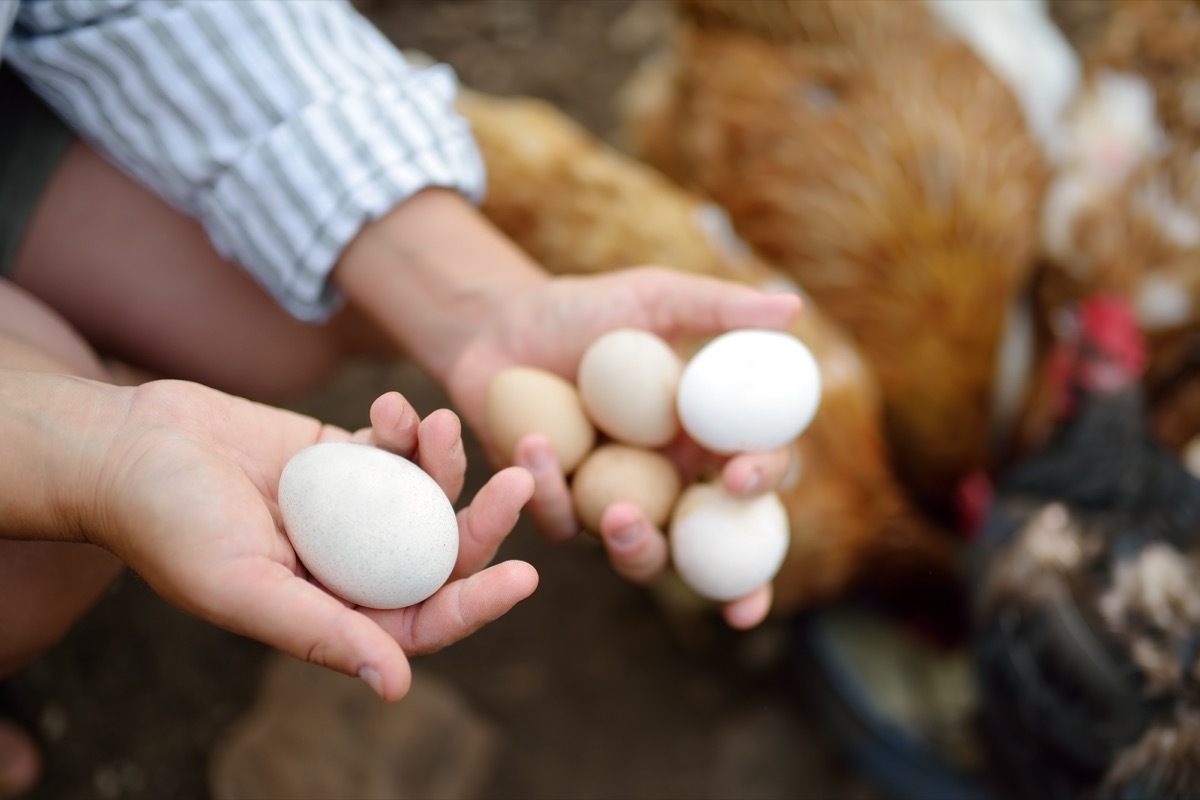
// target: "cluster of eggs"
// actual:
[[378, 531], [745, 390]]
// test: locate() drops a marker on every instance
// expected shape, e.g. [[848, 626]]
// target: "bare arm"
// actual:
[[180, 481]]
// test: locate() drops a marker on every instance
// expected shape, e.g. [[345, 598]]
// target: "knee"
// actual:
[[33, 336]]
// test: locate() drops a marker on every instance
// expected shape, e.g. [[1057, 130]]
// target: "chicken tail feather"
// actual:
[[1164, 764]]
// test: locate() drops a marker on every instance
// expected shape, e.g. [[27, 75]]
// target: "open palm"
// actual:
[[553, 325], [189, 492]]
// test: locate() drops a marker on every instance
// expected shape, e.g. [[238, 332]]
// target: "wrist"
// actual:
[[432, 274], [55, 430]]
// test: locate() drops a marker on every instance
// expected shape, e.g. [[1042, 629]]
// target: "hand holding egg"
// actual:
[[746, 394], [376, 528], [194, 509], [370, 525]]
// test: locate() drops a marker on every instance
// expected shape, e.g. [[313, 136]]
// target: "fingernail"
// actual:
[[541, 460], [373, 679], [627, 536], [754, 484], [536, 459]]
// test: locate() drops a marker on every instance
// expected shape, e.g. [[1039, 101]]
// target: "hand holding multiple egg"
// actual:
[[744, 397]]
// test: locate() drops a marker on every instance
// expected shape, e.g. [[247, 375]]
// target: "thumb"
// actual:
[[681, 304], [265, 601]]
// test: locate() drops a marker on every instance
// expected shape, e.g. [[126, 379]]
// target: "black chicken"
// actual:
[[1087, 591]]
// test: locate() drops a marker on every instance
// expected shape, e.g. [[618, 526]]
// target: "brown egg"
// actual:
[[618, 472], [525, 400]]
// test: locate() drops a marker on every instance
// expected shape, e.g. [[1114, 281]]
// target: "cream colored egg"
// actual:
[[749, 390], [525, 400], [371, 526], [617, 472], [627, 379], [724, 547]]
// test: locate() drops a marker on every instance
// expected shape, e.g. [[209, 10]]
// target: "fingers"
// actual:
[[636, 549], [440, 451], [745, 475], [749, 611], [492, 514], [679, 303], [465, 605], [434, 444], [394, 424], [748, 474], [639, 552], [459, 608], [264, 600], [551, 507]]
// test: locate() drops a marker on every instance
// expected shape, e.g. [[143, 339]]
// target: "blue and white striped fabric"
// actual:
[[282, 126]]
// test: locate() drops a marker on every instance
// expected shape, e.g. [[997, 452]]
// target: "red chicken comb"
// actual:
[[1110, 325]]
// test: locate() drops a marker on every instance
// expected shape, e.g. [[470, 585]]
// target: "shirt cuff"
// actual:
[[354, 157]]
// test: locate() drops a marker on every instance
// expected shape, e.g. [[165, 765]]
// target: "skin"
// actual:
[[97, 477], [513, 312], [178, 481], [113, 466]]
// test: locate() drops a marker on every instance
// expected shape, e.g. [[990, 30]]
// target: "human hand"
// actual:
[[551, 325], [183, 488], [465, 303]]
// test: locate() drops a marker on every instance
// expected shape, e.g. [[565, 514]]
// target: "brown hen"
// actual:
[[578, 205], [898, 181], [853, 23], [1158, 40]]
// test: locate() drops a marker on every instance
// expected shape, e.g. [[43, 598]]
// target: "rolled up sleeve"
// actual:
[[283, 127]]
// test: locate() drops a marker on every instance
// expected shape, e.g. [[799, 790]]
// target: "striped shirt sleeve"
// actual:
[[282, 126]]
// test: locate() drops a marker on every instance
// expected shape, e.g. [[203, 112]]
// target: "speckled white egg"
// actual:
[[370, 525], [724, 547], [749, 390], [627, 379]]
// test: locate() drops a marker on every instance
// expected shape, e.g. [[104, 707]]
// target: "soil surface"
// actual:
[[584, 691]]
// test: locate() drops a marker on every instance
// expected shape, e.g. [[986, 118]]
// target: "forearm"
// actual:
[[47, 425], [431, 273], [281, 127]]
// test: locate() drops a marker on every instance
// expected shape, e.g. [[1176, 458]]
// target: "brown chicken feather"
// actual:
[[578, 205], [1159, 40], [565, 196], [854, 23], [901, 188], [1123, 211]]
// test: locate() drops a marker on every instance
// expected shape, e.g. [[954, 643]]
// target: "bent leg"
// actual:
[[44, 586], [142, 282]]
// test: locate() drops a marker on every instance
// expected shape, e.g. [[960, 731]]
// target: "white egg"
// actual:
[[725, 547], [370, 525], [627, 379], [749, 390]]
